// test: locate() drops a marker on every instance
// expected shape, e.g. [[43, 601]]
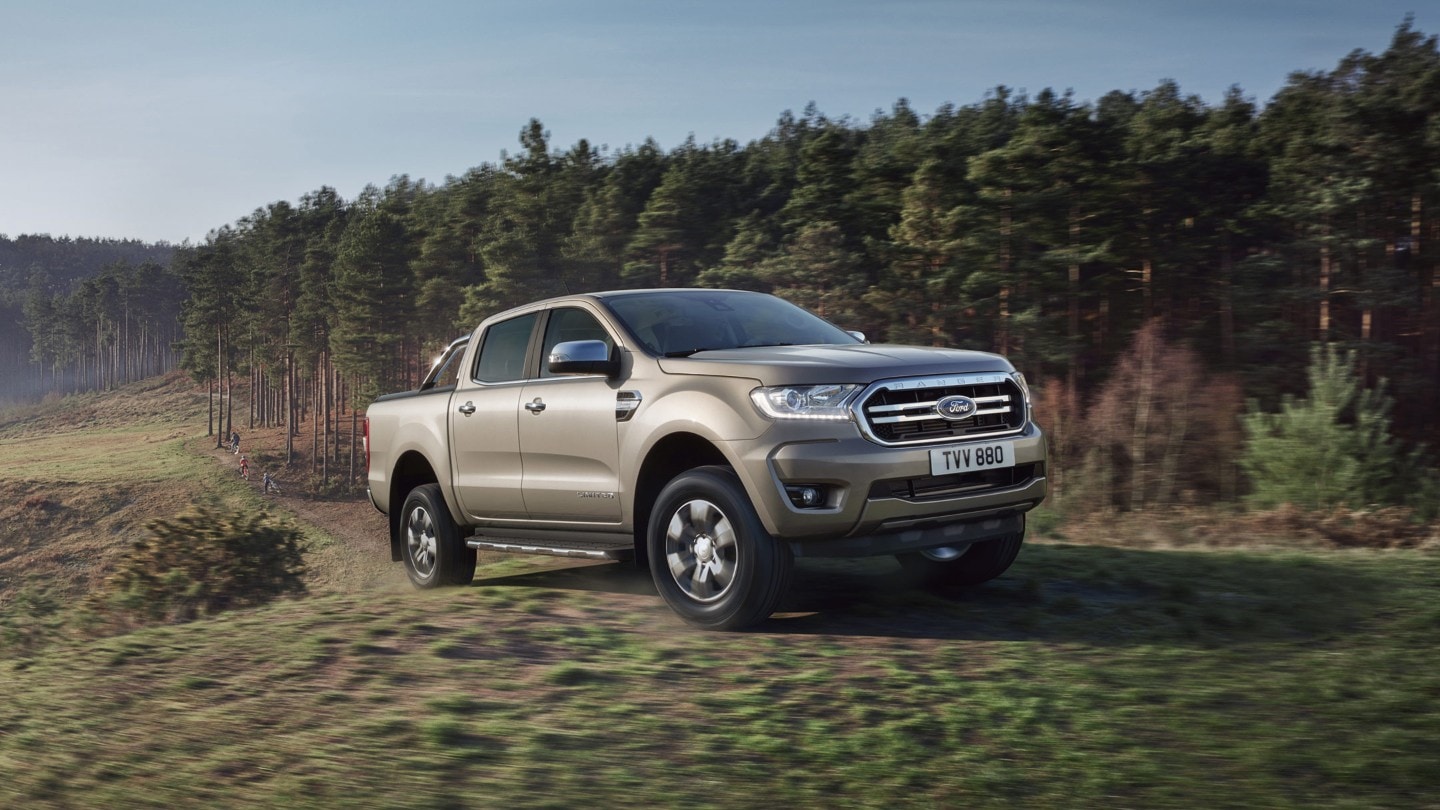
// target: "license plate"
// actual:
[[972, 457]]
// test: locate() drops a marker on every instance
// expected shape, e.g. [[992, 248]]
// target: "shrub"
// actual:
[[1161, 432], [29, 620], [1334, 448], [203, 562]]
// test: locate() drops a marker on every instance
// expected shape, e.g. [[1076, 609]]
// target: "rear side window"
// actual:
[[502, 354]]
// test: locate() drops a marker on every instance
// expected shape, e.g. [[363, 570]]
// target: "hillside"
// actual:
[[1088, 676], [80, 476]]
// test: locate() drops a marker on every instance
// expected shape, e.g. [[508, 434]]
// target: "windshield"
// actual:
[[679, 323]]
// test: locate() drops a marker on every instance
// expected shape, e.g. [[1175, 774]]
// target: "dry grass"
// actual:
[[81, 476], [1284, 527]]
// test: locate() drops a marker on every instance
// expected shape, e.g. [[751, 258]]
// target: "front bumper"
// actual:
[[970, 529], [881, 499]]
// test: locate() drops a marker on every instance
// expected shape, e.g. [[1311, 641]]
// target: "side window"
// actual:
[[502, 355], [571, 324], [449, 373]]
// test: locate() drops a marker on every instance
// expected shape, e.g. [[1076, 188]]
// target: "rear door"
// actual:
[[484, 422]]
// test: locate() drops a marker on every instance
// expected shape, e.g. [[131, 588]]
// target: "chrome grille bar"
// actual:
[[885, 416]]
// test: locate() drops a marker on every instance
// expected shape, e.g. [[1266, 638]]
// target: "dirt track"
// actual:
[[358, 557]]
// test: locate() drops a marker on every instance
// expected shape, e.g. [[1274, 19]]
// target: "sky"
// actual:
[[161, 121]]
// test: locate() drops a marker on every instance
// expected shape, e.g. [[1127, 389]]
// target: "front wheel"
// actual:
[[435, 553], [710, 557], [966, 565]]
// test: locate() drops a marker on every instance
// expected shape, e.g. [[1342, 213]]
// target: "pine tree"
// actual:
[[1334, 447], [373, 297]]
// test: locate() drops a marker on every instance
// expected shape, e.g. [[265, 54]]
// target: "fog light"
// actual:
[[806, 496]]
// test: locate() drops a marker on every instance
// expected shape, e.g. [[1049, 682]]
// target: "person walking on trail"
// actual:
[[268, 485], [235, 442], [244, 468]]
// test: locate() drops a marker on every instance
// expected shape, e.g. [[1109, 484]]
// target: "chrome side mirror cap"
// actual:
[[582, 357]]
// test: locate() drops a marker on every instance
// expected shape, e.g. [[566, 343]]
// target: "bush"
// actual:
[[29, 620], [1161, 433], [203, 562], [1335, 448]]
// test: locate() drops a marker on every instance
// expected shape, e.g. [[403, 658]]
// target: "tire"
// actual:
[[968, 565], [710, 557], [434, 552]]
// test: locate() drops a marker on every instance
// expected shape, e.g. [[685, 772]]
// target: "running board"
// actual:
[[600, 550]]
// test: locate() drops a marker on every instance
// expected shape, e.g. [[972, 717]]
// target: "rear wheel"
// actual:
[[962, 565], [435, 553], [710, 557]]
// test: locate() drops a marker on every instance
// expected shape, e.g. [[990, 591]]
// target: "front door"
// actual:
[[569, 439]]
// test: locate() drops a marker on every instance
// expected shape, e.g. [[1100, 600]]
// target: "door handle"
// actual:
[[468, 408], [535, 406]]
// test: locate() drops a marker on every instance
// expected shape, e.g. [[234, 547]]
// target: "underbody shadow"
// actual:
[[1063, 594]]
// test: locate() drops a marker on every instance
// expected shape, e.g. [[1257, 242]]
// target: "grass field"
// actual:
[[1088, 676]]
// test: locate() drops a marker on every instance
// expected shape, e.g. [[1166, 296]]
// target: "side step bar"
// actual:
[[600, 550]]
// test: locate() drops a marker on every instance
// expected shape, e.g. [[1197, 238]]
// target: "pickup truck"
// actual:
[[711, 435]]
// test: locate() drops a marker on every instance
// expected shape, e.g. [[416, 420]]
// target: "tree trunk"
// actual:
[[354, 426], [1429, 290], [1325, 272], [325, 419], [1141, 427], [1073, 294], [1179, 419], [1227, 305], [219, 381], [289, 407], [229, 395], [315, 421]]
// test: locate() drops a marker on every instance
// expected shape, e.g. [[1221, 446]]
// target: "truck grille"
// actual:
[[904, 411]]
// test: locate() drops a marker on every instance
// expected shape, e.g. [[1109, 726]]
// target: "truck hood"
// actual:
[[810, 365]]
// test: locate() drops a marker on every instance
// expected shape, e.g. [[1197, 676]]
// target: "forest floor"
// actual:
[[1112, 666]]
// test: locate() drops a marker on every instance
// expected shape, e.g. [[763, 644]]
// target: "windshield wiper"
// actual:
[[688, 352]]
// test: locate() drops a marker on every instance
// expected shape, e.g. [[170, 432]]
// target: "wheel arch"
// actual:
[[412, 470], [668, 458]]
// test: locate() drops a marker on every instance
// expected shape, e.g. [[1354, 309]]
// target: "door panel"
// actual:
[[570, 449], [486, 448], [484, 423], [569, 441]]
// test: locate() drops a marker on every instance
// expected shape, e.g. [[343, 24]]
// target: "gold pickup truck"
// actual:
[[713, 435]]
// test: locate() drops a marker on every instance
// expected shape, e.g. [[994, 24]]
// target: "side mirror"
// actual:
[[582, 357], [860, 336]]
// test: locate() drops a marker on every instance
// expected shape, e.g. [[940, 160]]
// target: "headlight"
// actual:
[[1024, 389], [805, 401], [1020, 381]]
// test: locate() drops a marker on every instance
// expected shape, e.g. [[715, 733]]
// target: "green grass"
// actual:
[[128, 454], [1088, 677]]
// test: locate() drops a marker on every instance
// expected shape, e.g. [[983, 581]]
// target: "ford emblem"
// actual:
[[955, 408]]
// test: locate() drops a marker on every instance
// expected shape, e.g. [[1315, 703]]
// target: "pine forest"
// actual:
[[1193, 289]]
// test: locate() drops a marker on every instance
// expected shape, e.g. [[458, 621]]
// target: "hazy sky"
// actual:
[[163, 120]]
